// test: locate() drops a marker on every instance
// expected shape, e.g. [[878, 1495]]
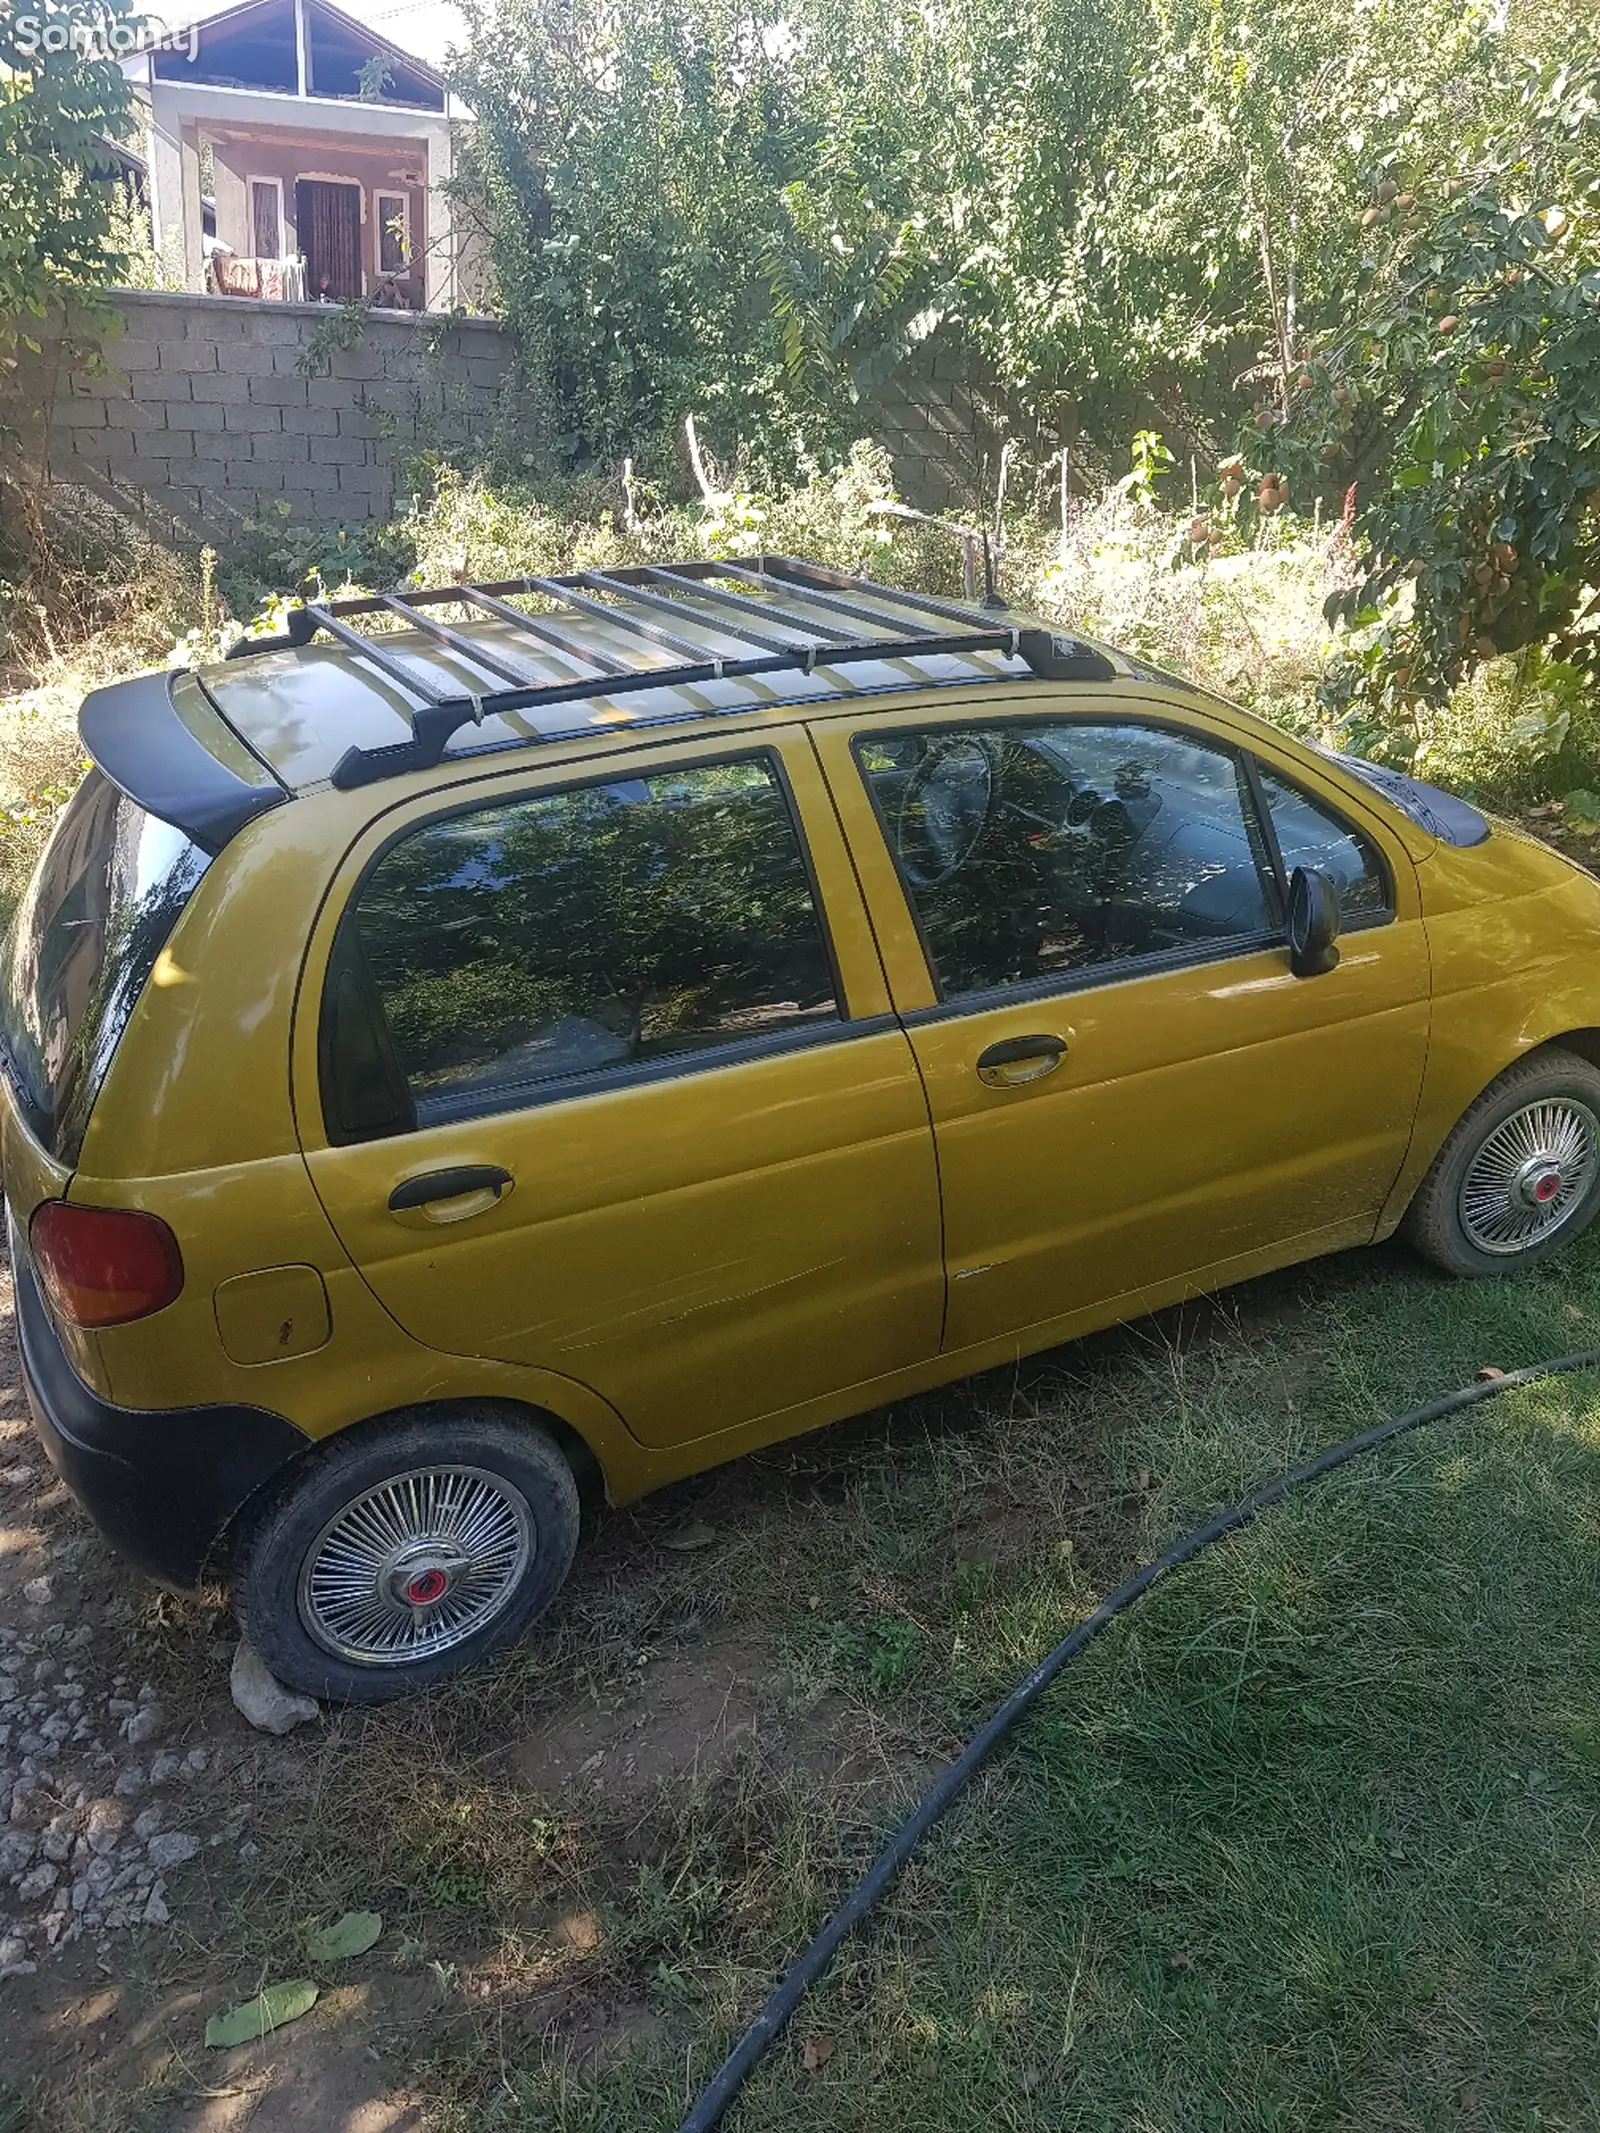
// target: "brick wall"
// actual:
[[201, 413]]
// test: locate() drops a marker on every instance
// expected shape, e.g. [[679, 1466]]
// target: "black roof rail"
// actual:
[[873, 625]]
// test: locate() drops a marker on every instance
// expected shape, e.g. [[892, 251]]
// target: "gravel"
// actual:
[[83, 1849]]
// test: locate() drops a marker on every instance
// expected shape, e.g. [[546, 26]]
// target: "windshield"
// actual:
[[97, 913]]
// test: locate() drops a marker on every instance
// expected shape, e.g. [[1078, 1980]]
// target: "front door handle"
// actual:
[[485, 1178], [1015, 1061]]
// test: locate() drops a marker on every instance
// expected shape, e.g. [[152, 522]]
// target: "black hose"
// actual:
[[809, 1965]]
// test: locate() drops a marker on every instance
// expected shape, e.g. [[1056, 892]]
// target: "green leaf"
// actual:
[[351, 1935], [269, 2010]]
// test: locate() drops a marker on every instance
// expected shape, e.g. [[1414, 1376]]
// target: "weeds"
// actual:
[[1241, 616]]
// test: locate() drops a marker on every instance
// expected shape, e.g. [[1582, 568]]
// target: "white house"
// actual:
[[330, 151]]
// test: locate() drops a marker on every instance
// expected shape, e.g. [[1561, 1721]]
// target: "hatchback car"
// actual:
[[591, 1027]]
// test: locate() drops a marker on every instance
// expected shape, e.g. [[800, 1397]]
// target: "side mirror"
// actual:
[[1313, 923]]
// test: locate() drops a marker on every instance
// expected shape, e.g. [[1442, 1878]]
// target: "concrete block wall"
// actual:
[[201, 414]]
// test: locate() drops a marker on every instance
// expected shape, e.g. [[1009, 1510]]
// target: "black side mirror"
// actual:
[[1313, 923]]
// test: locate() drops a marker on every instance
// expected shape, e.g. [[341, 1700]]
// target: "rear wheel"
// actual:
[[1520, 1175], [404, 1553]]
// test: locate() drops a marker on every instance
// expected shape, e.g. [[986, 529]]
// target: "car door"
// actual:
[[604, 1080], [1082, 916]]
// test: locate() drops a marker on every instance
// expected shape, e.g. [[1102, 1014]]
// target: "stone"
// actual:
[[23, 1969], [104, 1826], [262, 1699], [165, 1768], [129, 1782], [146, 1824], [196, 1762], [155, 1911], [12, 1949], [17, 1847], [170, 1849], [38, 1592], [144, 1725], [38, 1881]]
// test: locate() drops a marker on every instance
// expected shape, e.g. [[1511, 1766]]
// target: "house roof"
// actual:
[[209, 17]]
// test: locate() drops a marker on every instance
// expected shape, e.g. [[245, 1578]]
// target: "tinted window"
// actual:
[[1311, 835], [569, 934], [1029, 850], [86, 935]]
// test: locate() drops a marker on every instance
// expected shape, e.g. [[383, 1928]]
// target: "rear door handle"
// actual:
[[449, 1185], [1014, 1061]]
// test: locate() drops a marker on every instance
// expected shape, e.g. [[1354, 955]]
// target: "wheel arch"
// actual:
[[587, 1470]]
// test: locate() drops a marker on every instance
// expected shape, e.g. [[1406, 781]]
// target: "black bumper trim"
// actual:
[[161, 1484]]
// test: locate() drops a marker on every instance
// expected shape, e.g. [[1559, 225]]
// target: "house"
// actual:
[[326, 150]]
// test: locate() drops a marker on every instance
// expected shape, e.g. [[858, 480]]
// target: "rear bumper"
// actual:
[[161, 1484]]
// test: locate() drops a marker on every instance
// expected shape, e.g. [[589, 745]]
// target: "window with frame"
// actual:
[[1035, 849], [1312, 835], [492, 958], [394, 232]]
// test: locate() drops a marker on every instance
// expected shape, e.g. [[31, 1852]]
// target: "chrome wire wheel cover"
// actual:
[[416, 1565], [1530, 1176]]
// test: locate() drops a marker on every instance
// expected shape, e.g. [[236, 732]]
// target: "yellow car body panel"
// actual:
[[689, 1267]]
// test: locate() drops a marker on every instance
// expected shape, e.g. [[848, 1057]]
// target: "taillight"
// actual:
[[101, 1266]]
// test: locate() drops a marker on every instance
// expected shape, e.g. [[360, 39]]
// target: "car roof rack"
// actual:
[[793, 615]]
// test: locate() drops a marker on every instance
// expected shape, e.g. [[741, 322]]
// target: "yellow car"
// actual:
[[508, 1038]]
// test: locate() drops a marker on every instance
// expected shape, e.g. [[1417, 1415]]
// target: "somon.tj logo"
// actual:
[[94, 34]]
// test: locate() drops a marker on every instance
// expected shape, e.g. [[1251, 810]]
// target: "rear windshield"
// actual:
[[96, 915]]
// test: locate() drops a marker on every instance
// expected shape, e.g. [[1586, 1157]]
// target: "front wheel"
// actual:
[[405, 1552], [1520, 1175]]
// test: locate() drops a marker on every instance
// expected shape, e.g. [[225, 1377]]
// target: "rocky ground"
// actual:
[[132, 1797]]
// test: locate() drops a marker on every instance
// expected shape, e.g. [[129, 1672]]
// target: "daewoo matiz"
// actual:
[[594, 1026]]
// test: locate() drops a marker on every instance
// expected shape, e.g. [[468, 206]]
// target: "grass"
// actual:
[[1309, 1841]]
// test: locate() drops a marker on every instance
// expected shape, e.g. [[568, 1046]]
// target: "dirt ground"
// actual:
[[155, 1842]]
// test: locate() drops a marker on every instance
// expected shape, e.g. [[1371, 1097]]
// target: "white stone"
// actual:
[[144, 1725], [38, 1592], [146, 1824], [262, 1699], [155, 1909]]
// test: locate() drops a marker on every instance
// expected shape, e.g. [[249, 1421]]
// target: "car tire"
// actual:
[[407, 1551], [1520, 1175]]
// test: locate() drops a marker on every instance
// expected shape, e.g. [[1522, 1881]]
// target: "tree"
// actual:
[[756, 210], [1462, 398], [61, 99]]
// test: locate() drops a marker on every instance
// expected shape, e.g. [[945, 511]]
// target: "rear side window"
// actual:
[[494, 958], [96, 915]]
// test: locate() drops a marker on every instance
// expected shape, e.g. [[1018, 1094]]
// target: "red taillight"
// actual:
[[101, 1266]]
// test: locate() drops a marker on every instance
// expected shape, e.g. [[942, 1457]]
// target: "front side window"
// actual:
[[1033, 850], [495, 957], [1312, 836]]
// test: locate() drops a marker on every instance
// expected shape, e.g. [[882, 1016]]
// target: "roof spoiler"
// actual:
[[185, 765]]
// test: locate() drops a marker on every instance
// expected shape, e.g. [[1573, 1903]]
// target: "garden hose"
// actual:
[[809, 1965]]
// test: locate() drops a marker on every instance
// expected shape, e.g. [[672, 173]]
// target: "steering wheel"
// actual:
[[946, 807]]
